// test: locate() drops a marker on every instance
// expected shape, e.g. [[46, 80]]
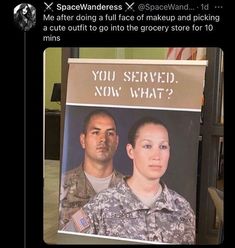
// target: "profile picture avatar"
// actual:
[[25, 16]]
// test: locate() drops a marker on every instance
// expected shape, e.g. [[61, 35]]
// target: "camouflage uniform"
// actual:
[[76, 191], [118, 212]]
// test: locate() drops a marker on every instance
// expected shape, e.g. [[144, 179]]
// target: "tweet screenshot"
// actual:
[[123, 121]]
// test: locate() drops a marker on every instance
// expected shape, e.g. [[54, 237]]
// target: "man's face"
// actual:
[[101, 140]]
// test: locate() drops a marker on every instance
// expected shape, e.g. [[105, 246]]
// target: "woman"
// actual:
[[24, 17], [141, 206]]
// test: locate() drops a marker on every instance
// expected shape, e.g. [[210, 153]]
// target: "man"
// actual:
[[99, 140], [141, 206]]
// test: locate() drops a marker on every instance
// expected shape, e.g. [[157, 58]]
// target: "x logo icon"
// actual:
[[48, 6], [129, 6]]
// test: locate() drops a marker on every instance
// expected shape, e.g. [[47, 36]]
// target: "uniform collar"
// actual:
[[130, 202], [88, 187]]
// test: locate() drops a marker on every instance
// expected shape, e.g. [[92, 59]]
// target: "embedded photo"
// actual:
[[129, 155]]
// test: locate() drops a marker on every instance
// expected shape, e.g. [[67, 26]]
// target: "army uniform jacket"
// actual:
[[118, 212], [76, 191]]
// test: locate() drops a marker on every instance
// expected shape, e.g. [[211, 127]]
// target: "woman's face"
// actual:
[[25, 10], [151, 152]]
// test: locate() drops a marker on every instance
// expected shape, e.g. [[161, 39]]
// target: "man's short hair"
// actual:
[[94, 113]]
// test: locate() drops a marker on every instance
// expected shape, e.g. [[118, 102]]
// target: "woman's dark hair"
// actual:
[[25, 21], [20, 11], [132, 134]]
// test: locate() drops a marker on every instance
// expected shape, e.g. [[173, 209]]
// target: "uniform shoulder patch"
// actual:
[[81, 220]]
